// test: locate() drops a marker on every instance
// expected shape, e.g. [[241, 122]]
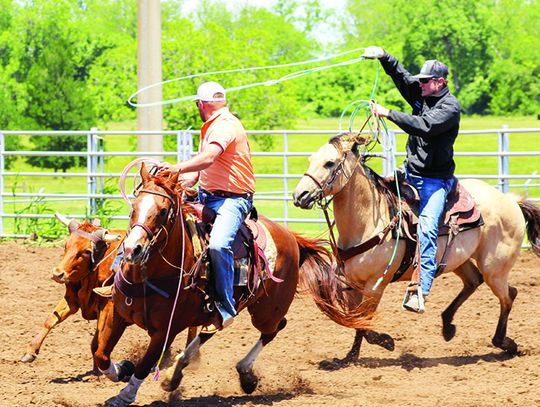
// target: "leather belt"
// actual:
[[227, 194]]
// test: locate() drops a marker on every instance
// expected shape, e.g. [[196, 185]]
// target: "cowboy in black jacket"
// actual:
[[432, 128]]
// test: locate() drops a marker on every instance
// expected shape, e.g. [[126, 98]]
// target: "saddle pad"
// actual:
[[270, 249], [461, 202]]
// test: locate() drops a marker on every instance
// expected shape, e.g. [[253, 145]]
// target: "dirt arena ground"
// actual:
[[424, 370]]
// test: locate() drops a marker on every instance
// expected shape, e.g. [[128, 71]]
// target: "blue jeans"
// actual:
[[230, 213], [433, 193]]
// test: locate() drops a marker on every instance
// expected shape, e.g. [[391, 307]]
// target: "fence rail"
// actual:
[[82, 191]]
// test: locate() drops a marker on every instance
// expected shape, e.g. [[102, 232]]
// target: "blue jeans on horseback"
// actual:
[[433, 193], [230, 214]]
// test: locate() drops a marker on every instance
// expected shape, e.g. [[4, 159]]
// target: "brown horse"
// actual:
[[88, 254], [158, 247], [362, 211]]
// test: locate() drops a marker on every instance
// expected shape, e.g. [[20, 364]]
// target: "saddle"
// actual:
[[250, 262], [460, 214]]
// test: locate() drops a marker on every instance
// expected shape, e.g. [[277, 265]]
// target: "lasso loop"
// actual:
[[269, 82]]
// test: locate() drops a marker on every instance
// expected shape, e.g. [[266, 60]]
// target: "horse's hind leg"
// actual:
[[373, 338], [498, 282], [506, 299], [248, 379], [471, 277]]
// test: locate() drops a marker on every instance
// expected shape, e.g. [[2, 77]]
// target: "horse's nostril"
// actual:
[[137, 250], [298, 198]]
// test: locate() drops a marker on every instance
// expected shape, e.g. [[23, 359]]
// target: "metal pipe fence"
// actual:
[[82, 192]]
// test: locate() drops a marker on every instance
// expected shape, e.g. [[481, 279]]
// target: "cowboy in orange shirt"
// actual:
[[227, 183]]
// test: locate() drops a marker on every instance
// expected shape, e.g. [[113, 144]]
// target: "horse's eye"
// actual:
[[163, 212], [328, 164]]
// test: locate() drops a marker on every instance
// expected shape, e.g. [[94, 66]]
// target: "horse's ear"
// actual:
[[145, 175]]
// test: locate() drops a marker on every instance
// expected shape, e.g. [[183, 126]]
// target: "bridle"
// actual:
[[324, 202], [172, 213], [321, 200]]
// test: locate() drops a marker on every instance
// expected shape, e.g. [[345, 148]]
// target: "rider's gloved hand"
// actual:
[[373, 52]]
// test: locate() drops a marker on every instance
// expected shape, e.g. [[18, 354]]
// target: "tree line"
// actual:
[[72, 64]]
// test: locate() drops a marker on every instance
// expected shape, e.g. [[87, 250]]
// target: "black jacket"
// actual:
[[432, 127]]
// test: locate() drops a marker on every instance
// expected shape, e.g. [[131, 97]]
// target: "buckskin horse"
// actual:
[[362, 211], [88, 254], [159, 248]]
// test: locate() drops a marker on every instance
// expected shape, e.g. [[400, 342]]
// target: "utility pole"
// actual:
[[149, 72]]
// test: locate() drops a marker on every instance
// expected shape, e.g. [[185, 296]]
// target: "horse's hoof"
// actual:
[[116, 402], [171, 384], [387, 342], [28, 358], [126, 369], [248, 381], [449, 331], [508, 345]]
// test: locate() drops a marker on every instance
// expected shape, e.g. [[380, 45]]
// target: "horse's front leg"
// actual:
[[62, 310], [367, 303], [142, 369], [110, 328], [174, 374]]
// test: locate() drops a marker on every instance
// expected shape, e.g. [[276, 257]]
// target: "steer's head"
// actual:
[[85, 240]]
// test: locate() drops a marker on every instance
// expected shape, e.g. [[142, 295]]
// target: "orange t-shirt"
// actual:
[[232, 171]]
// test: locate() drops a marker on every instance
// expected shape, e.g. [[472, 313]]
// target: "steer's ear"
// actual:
[[145, 175]]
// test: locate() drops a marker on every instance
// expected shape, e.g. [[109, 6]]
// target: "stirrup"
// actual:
[[105, 291], [414, 300]]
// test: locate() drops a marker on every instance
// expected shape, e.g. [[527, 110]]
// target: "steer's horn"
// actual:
[[105, 236], [71, 224], [111, 237]]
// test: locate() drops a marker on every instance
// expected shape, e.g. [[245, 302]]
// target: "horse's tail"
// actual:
[[318, 277], [531, 212]]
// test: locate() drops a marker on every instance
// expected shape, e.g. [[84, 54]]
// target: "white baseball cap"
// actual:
[[207, 91]]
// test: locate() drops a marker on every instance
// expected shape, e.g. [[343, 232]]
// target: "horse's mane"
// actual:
[[384, 186], [163, 180]]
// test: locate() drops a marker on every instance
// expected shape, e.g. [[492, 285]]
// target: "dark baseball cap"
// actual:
[[432, 69]]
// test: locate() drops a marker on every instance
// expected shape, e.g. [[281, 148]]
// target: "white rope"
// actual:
[[257, 68], [179, 218], [123, 175]]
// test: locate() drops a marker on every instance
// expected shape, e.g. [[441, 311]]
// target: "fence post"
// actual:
[[100, 159], [184, 145], [389, 153], [504, 166], [91, 168], [2, 169], [285, 178]]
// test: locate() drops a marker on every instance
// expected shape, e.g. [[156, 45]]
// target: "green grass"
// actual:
[[265, 166]]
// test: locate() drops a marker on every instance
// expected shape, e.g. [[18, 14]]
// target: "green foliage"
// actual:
[[72, 64], [37, 228], [105, 208], [492, 48], [57, 143], [244, 39]]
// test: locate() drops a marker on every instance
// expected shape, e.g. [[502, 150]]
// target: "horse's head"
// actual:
[[154, 210], [330, 168], [84, 242]]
